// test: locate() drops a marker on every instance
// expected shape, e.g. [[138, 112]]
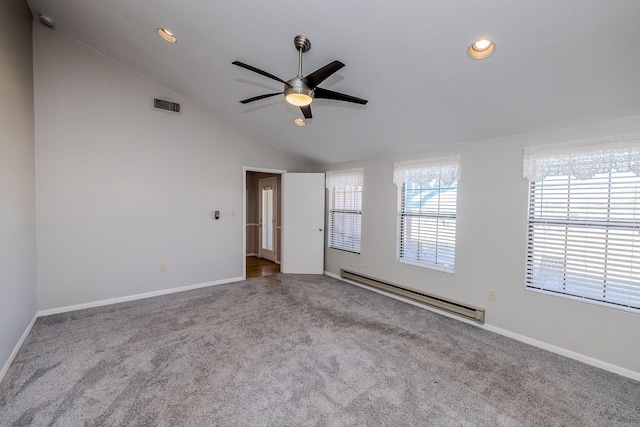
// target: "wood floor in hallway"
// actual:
[[258, 267]]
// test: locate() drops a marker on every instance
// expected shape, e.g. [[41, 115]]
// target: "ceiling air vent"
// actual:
[[161, 104]]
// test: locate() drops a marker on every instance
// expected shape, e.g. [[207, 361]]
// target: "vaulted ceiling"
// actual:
[[556, 63]]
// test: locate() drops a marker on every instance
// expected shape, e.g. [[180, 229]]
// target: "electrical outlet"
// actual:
[[233, 213], [163, 268], [492, 294], [366, 264]]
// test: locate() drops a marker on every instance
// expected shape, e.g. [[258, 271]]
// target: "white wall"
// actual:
[[122, 188], [17, 203], [491, 246]]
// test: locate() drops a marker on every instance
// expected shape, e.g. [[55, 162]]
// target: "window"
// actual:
[[427, 198], [584, 221], [345, 209]]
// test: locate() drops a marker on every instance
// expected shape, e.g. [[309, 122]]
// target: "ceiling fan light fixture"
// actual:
[[299, 121], [481, 49], [167, 35], [297, 93], [298, 99]]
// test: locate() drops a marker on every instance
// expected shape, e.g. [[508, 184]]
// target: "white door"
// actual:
[[267, 195], [302, 223]]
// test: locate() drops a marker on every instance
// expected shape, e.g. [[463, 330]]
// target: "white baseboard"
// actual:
[[66, 309], [522, 338], [16, 349], [251, 254], [565, 352]]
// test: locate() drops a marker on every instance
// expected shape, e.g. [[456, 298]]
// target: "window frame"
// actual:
[[429, 170], [583, 221]]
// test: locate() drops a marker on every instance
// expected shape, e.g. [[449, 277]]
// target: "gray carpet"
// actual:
[[295, 350]]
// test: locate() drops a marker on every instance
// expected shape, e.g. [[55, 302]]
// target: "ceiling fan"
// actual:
[[301, 90]]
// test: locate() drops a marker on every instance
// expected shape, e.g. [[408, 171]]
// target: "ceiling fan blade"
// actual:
[[306, 110], [329, 94], [318, 76], [255, 98], [259, 71]]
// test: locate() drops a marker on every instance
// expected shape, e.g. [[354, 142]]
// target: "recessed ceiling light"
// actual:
[[481, 49], [167, 35], [299, 121], [482, 44]]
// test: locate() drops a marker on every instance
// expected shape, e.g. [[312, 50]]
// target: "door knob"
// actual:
[[319, 229]]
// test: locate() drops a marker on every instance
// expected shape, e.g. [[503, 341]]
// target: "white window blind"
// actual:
[[584, 220], [345, 209], [427, 199]]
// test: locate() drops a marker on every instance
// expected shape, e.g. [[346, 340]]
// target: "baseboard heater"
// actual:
[[455, 307]]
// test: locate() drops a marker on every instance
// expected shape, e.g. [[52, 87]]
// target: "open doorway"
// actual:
[[263, 215], [299, 220], [267, 214]]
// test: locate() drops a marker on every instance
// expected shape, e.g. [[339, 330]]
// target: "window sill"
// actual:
[[433, 267], [344, 250], [583, 300]]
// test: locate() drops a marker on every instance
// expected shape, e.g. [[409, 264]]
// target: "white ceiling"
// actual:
[[557, 63]]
